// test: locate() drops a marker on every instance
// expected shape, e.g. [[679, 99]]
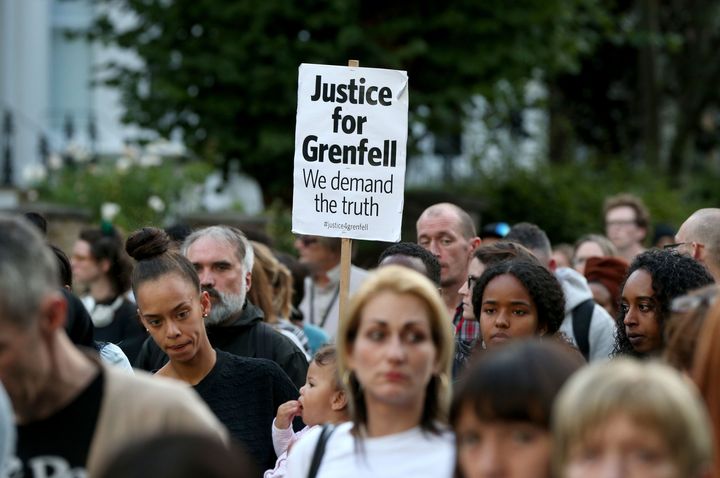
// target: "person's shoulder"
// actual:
[[141, 382]]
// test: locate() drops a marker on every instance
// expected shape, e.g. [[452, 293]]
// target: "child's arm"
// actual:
[[282, 431]]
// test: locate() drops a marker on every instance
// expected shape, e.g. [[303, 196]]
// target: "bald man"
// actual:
[[699, 236], [449, 233]]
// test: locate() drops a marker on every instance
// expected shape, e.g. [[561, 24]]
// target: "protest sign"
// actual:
[[350, 152]]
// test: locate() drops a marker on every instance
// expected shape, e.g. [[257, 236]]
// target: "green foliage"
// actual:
[[129, 185], [224, 73], [566, 200]]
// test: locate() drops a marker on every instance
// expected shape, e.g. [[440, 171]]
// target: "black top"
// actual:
[[246, 335], [62, 440], [244, 393]]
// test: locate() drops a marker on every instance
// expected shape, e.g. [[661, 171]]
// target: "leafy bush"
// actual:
[[147, 193], [566, 200]]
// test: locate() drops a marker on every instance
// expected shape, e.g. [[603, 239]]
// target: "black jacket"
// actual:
[[245, 335]]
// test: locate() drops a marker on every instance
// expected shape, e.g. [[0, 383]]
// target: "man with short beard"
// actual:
[[223, 258]]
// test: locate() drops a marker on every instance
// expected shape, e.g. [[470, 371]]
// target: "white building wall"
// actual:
[[46, 77], [24, 71]]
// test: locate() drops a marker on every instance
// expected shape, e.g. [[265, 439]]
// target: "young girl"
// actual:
[[322, 400], [516, 299]]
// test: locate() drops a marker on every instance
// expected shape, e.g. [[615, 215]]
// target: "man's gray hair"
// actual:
[[28, 270], [230, 235]]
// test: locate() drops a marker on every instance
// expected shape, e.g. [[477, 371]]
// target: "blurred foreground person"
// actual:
[[654, 279], [682, 331], [626, 418], [180, 456], [7, 430], [394, 353], [706, 364], [243, 392], [501, 409], [72, 412]]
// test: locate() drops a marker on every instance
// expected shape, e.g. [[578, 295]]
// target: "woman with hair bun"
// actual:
[[243, 392]]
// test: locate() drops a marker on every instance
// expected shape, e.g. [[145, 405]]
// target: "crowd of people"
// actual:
[[466, 353]]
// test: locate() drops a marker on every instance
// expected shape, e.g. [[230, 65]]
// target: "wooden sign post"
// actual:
[[345, 254]]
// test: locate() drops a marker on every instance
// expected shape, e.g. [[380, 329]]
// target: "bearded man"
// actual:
[[223, 259]]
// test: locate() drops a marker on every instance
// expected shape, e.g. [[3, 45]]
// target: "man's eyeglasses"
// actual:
[[673, 246], [471, 281]]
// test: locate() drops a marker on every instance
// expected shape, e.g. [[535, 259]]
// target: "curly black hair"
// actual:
[[544, 289], [673, 274]]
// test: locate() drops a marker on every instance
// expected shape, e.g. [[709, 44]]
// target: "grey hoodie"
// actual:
[[602, 326]]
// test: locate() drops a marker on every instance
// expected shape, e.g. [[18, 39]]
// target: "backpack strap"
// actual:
[[327, 430], [581, 318]]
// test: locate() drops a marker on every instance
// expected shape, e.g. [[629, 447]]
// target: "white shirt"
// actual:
[[412, 453]]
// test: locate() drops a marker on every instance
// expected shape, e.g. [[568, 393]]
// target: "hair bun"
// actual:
[[147, 243]]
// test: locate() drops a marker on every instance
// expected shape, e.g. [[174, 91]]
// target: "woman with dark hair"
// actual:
[[501, 409], [100, 263], [517, 298], [244, 393], [394, 356], [654, 279]]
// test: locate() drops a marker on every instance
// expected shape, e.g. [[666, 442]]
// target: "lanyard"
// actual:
[[327, 311]]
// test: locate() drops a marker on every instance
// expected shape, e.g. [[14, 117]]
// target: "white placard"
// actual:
[[350, 152]]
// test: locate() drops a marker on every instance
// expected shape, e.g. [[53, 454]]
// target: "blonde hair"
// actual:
[[279, 278], [400, 280], [651, 394]]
